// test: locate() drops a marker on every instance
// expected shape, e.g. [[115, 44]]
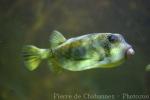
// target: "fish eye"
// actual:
[[112, 38]]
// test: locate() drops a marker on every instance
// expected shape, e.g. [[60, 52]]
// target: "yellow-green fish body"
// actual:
[[96, 50]]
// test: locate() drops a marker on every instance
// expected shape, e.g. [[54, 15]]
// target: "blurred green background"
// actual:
[[32, 21]]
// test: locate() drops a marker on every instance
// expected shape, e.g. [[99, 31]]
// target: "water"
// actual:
[[31, 22]]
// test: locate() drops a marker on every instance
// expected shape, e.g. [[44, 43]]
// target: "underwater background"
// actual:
[[32, 21]]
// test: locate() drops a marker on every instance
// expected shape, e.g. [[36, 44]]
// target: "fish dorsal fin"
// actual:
[[56, 39]]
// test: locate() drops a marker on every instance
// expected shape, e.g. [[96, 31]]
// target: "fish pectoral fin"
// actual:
[[56, 39]]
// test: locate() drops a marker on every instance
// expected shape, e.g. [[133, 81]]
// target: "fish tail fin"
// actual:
[[33, 56]]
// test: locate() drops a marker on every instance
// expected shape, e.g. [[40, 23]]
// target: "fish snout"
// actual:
[[129, 52]]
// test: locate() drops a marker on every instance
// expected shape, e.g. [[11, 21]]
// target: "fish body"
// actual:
[[96, 50]]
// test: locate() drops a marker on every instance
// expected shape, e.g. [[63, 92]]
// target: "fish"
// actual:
[[89, 51], [147, 68]]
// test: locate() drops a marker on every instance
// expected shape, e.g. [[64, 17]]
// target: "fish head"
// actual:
[[117, 49]]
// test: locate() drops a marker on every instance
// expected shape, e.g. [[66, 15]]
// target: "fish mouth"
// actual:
[[129, 52]]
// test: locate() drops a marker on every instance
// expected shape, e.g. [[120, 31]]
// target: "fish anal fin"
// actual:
[[54, 67]]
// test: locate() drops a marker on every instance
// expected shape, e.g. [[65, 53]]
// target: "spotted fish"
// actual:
[[95, 50]]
